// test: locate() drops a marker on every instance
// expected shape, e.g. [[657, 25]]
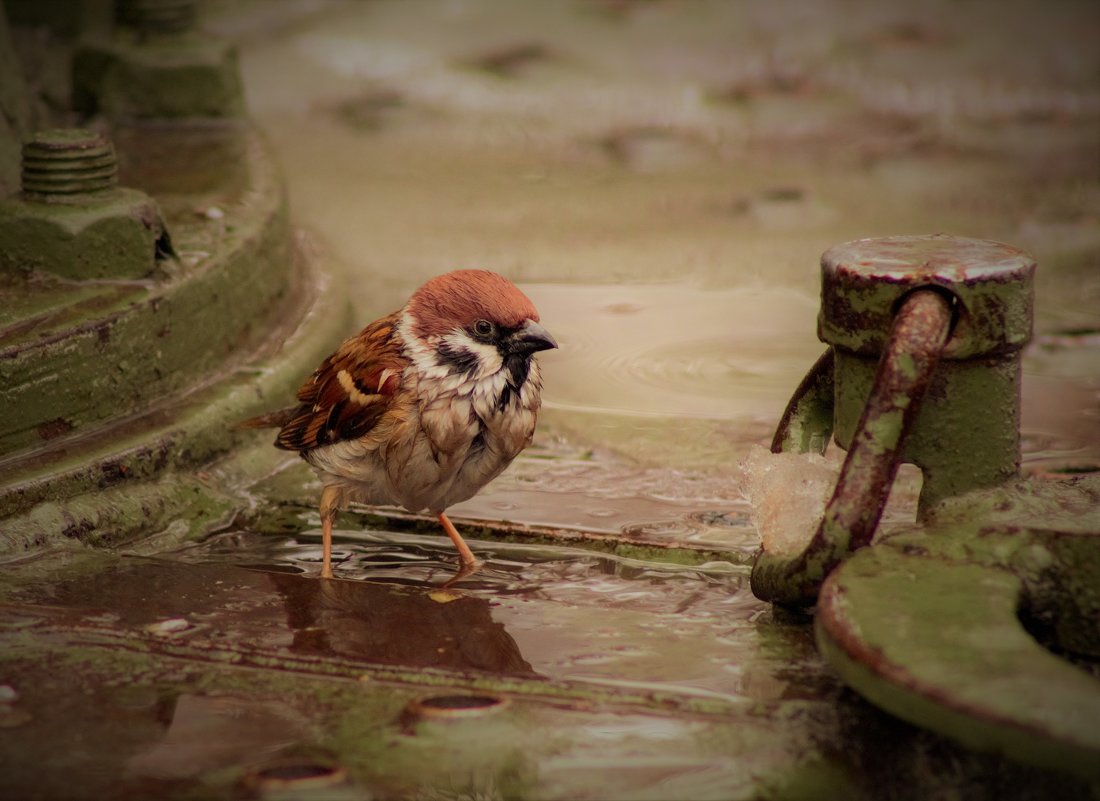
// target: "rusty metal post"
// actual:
[[863, 487], [925, 334], [968, 434]]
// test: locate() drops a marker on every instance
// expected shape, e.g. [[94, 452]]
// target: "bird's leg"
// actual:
[[468, 562], [330, 501], [326, 546]]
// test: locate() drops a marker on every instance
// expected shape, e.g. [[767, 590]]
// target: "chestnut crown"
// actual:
[[461, 298]]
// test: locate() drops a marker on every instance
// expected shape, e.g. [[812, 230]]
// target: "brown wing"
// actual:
[[348, 394]]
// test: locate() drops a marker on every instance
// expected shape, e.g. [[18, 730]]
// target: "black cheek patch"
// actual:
[[459, 360]]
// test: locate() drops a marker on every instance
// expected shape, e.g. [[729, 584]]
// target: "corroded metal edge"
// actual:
[[1032, 711]]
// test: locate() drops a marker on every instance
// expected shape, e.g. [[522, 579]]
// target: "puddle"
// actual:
[[1060, 424], [204, 733], [533, 610], [556, 612]]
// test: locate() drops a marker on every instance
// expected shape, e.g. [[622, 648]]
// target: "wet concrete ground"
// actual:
[[661, 178]]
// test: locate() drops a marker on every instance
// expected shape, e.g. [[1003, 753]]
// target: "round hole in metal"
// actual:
[[1063, 471], [451, 706], [300, 774]]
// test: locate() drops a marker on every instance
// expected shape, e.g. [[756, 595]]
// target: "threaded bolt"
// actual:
[[68, 164], [152, 17]]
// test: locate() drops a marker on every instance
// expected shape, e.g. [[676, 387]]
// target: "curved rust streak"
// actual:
[[904, 373]]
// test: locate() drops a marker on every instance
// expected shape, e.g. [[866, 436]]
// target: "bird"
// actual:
[[423, 407]]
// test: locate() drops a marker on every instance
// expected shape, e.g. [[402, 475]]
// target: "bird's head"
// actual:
[[477, 322]]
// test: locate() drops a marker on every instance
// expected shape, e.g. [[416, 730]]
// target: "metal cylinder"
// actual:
[[966, 435]]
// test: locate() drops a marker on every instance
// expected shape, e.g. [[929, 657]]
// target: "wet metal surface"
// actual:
[[601, 635], [669, 224], [990, 283], [940, 640], [617, 679], [661, 178]]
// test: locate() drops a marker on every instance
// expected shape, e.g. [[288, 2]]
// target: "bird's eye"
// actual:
[[483, 328]]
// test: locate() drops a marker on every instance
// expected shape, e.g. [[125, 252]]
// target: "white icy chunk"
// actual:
[[788, 493]]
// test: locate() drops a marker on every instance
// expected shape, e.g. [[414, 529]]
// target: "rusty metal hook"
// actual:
[[919, 332]]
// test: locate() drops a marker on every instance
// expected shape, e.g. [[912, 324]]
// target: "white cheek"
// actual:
[[419, 353]]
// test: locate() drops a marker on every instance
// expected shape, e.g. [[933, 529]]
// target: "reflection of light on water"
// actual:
[[514, 569], [1059, 423], [572, 613]]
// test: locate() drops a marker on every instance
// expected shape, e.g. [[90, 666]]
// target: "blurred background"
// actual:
[[662, 175]]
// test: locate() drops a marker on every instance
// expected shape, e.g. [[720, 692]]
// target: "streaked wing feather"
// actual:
[[350, 392]]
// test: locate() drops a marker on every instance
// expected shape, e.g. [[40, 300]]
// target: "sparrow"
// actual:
[[423, 407]]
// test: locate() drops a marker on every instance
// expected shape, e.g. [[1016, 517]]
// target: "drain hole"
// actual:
[[459, 702], [1043, 627], [290, 773], [298, 775], [456, 705]]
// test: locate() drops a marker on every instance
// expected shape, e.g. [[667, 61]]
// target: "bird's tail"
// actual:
[[275, 419]]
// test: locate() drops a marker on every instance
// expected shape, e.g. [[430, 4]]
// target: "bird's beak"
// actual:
[[531, 337]]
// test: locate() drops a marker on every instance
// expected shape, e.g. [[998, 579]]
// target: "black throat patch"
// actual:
[[518, 366]]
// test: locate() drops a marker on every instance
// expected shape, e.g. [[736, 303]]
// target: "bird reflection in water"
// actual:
[[397, 625]]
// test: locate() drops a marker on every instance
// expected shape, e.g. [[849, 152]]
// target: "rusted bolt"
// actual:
[[173, 95], [158, 66], [68, 165], [72, 218], [163, 17]]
